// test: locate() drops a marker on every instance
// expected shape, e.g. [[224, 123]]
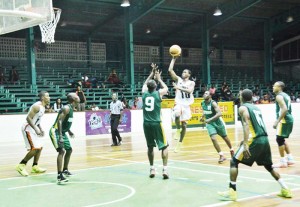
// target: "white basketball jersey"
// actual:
[[37, 117], [181, 97]]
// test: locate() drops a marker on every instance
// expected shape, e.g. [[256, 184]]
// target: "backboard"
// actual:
[[20, 14]]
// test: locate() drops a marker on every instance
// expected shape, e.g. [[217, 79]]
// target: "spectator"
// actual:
[[224, 85], [298, 99], [134, 106], [293, 97], [138, 103], [94, 107], [256, 90], [113, 78], [2, 76], [57, 105], [255, 98], [265, 100], [125, 103], [70, 81], [212, 91], [228, 94], [48, 108], [82, 102], [85, 81], [13, 75]]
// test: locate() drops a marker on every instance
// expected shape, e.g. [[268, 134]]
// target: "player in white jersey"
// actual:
[[32, 131], [183, 99]]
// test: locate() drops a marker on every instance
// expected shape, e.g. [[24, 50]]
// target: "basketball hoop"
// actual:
[[48, 28]]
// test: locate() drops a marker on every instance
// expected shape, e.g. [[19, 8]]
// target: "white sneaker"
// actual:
[[178, 147], [177, 134], [281, 164], [290, 161]]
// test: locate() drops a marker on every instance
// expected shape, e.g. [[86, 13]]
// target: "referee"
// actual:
[[116, 113]]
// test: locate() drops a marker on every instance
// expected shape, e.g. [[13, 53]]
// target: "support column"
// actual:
[[129, 50], [89, 52], [205, 52], [30, 52], [268, 65]]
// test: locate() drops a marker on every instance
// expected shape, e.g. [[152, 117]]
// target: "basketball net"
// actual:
[[48, 28]]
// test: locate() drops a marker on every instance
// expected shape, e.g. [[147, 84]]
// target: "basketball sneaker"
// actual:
[[290, 161], [281, 164], [37, 169], [286, 193], [178, 147], [61, 179], [152, 173], [21, 168], [165, 174], [67, 173], [222, 159], [230, 195]]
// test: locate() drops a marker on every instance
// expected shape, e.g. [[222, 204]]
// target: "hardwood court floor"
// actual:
[[195, 175]]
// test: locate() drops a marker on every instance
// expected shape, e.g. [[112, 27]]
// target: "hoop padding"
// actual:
[[48, 28]]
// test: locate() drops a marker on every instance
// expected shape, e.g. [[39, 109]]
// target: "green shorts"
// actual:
[[216, 128], [155, 135], [284, 130], [54, 136], [260, 152]]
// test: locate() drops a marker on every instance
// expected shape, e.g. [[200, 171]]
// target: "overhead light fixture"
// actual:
[[289, 19], [125, 3], [215, 35], [148, 31], [218, 12]]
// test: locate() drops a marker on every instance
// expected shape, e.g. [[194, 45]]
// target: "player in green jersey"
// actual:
[[215, 124], [254, 148], [283, 124], [153, 130], [60, 139]]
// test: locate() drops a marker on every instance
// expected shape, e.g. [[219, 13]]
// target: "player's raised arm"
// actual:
[[189, 90], [164, 87], [171, 71], [154, 68]]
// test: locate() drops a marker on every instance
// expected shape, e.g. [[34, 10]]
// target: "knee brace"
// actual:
[[268, 167], [234, 163], [280, 141]]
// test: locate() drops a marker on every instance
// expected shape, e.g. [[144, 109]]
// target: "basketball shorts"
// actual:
[[183, 111], [155, 135], [54, 136], [260, 152], [217, 127], [32, 140], [284, 129]]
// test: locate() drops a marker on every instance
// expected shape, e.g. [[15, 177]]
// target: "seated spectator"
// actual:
[[70, 81], [13, 75], [265, 100], [134, 106], [113, 78], [85, 81], [81, 104], [293, 97], [212, 91], [125, 103], [228, 96], [57, 105], [2, 76], [298, 99], [48, 108], [255, 98], [138, 103], [94, 107]]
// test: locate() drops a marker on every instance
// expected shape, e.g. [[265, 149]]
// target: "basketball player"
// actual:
[[183, 99], [152, 120], [283, 124], [32, 131], [60, 139], [214, 124], [254, 148]]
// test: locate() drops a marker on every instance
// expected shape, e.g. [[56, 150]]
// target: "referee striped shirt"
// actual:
[[116, 107]]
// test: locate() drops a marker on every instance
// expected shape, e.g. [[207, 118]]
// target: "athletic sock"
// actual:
[[221, 153], [282, 184], [23, 162], [35, 163], [232, 185]]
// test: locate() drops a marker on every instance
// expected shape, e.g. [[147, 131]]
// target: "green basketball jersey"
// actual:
[[209, 110], [287, 100], [257, 126], [67, 122], [151, 106]]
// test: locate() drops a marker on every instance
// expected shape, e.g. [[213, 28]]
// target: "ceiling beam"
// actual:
[[137, 12], [278, 22], [229, 10]]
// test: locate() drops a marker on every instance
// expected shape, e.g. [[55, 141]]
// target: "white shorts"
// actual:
[[183, 111], [32, 140]]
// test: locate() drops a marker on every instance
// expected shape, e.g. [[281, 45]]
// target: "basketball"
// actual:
[[175, 50]]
